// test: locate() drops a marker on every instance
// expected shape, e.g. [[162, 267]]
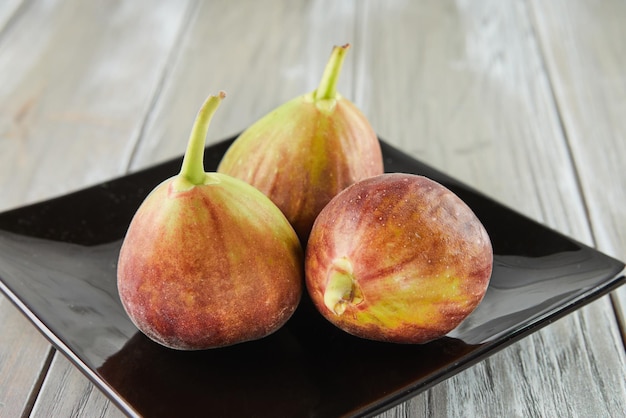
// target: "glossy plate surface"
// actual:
[[58, 266]]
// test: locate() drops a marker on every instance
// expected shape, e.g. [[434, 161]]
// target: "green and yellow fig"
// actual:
[[307, 150], [208, 260]]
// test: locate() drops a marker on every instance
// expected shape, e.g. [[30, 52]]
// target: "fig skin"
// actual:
[[397, 258], [307, 150], [208, 260], [210, 266]]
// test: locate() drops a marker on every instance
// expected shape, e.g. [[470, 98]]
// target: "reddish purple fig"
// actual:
[[307, 150], [397, 258], [208, 260]]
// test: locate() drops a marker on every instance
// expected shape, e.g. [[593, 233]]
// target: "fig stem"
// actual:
[[327, 88], [193, 161]]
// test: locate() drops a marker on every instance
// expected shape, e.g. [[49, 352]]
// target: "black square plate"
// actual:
[[58, 266]]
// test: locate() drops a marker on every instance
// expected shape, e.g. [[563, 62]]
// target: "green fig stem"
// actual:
[[192, 169], [327, 88]]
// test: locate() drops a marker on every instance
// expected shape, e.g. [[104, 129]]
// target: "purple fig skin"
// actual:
[[209, 266], [305, 152], [397, 258]]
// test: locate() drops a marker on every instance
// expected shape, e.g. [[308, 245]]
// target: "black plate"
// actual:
[[58, 265]]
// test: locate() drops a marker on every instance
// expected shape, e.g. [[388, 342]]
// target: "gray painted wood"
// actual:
[[67, 393], [472, 97], [24, 357], [77, 80], [285, 62], [519, 99], [585, 54]]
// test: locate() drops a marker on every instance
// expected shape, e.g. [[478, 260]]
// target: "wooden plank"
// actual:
[[77, 80], [66, 393], [463, 87], [260, 56], [585, 55], [20, 370], [73, 85], [24, 355]]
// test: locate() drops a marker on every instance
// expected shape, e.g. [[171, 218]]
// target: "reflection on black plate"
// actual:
[[58, 265]]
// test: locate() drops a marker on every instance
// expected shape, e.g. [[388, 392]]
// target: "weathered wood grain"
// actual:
[[585, 55], [463, 87], [67, 393], [502, 95], [20, 369], [24, 360], [77, 80], [259, 62]]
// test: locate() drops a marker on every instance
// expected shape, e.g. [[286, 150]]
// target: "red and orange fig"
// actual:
[[187, 276], [307, 150], [397, 258]]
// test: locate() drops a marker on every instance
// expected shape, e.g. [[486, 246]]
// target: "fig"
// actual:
[[307, 150], [397, 258], [208, 260]]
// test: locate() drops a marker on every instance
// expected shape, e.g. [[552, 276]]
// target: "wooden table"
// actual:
[[524, 100]]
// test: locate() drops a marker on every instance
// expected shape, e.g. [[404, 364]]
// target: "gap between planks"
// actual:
[[169, 64], [30, 404], [614, 300]]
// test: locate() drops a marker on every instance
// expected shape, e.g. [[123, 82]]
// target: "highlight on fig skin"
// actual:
[[397, 258], [184, 269]]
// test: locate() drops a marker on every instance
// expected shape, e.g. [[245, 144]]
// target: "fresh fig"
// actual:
[[397, 258], [208, 260], [307, 150]]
